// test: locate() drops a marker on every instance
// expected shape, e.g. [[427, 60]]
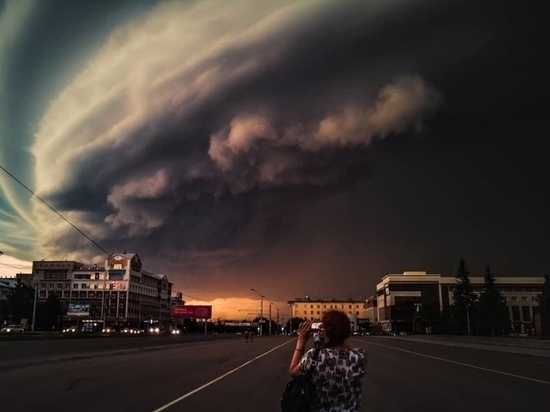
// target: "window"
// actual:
[[50, 285], [514, 298], [60, 286], [524, 298]]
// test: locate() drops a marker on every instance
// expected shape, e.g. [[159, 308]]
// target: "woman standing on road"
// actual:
[[338, 375]]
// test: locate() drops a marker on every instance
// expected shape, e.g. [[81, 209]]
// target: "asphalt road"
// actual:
[[227, 374]]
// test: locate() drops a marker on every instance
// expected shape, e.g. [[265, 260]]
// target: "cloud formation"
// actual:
[[198, 130]]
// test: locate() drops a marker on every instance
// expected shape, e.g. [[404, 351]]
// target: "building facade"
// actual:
[[313, 309], [398, 296], [118, 294]]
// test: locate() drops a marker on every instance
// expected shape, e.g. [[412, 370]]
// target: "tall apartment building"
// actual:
[[397, 294], [118, 294]]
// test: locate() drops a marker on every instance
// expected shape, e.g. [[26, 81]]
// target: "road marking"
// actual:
[[200, 388], [462, 364]]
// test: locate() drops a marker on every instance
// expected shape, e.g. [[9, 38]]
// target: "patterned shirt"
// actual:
[[337, 377]]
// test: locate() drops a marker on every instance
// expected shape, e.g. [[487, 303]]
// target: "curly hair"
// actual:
[[337, 329]]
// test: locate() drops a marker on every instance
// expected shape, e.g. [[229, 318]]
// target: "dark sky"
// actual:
[[294, 147]]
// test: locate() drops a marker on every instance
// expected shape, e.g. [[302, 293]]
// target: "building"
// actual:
[[313, 309], [7, 284], [118, 294], [398, 296]]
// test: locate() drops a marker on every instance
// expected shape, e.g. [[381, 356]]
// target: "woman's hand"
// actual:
[[304, 331]]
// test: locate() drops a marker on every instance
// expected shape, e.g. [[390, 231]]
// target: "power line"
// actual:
[[53, 210], [192, 297]]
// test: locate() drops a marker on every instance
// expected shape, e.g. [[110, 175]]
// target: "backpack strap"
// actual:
[[313, 363]]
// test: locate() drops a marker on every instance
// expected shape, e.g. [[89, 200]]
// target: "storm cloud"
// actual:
[[227, 142]]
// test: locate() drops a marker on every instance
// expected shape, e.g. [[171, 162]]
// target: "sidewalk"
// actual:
[[519, 345]]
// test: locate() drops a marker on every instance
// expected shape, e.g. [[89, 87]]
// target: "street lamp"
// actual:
[[468, 317], [261, 309], [277, 323]]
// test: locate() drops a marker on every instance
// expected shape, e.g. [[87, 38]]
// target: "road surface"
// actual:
[[224, 373]]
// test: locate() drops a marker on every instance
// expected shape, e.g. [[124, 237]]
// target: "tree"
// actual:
[[493, 317], [464, 299], [294, 323], [20, 302], [51, 312], [428, 315]]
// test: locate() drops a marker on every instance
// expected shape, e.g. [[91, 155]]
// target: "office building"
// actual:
[[399, 295], [118, 294]]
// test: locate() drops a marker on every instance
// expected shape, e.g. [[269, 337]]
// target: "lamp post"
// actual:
[[290, 319], [468, 317], [261, 309], [277, 323], [270, 320], [415, 317], [34, 307]]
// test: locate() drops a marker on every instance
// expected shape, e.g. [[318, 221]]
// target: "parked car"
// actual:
[[13, 329]]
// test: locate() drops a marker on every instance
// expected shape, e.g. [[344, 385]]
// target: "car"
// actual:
[[71, 329], [13, 329], [108, 330], [175, 331]]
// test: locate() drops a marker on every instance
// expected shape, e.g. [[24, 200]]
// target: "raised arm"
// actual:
[[304, 333]]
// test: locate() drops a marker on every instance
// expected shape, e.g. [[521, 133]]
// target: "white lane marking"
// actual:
[[200, 388], [462, 364]]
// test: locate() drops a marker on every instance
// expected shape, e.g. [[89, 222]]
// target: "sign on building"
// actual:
[[192, 311], [78, 309]]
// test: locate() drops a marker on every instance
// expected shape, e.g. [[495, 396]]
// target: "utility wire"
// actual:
[[53, 210], [192, 297]]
